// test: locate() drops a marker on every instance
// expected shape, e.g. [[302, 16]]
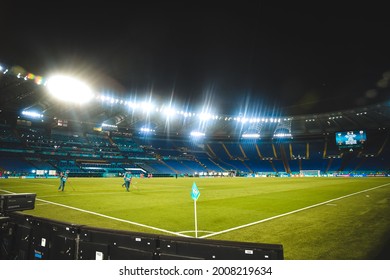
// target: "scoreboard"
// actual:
[[351, 139]]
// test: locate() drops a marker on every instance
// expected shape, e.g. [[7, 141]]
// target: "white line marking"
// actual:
[[39, 204], [292, 212], [107, 217], [191, 231]]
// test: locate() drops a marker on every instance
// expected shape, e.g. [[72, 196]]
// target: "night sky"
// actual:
[[234, 55]]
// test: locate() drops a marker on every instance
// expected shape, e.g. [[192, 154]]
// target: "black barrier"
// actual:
[[17, 202], [98, 243], [53, 240], [190, 248], [16, 234], [28, 237]]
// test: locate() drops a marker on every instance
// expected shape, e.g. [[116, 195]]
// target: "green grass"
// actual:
[[357, 226]]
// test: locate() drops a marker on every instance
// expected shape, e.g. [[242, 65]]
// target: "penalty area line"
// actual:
[[292, 212]]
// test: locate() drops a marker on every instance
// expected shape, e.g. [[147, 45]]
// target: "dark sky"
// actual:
[[286, 56]]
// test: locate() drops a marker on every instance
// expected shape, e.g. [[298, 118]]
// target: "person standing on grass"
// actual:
[[124, 180], [61, 182], [63, 178], [127, 177]]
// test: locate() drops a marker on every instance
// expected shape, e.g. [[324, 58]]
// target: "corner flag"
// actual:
[[195, 193]]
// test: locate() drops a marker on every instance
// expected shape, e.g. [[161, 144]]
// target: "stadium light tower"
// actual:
[[69, 89]]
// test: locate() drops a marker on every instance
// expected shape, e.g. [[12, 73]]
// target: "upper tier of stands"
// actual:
[[23, 149]]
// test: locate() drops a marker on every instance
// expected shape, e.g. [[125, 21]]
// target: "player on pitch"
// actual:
[[63, 178], [127, 177]]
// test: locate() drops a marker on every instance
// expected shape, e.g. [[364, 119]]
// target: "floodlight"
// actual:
[[283, 135], [69, 89], [147, 106], [32, 114], [205, 116], [197, 134], [146, 130], [169, 112], [109, 126], [251, 135]]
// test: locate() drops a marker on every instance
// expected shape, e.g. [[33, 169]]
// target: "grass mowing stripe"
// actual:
[[105, 216], [293, 212]]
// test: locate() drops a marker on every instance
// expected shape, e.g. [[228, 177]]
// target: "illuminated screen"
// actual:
[[52, 172], [40, 172], [351, 139]]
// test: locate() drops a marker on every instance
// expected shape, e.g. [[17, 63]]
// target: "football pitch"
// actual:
[[313, 218]]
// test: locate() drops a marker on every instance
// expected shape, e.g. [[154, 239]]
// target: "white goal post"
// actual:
[[310, 173]]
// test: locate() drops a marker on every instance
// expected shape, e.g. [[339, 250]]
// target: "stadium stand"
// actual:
[[102, 155]]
